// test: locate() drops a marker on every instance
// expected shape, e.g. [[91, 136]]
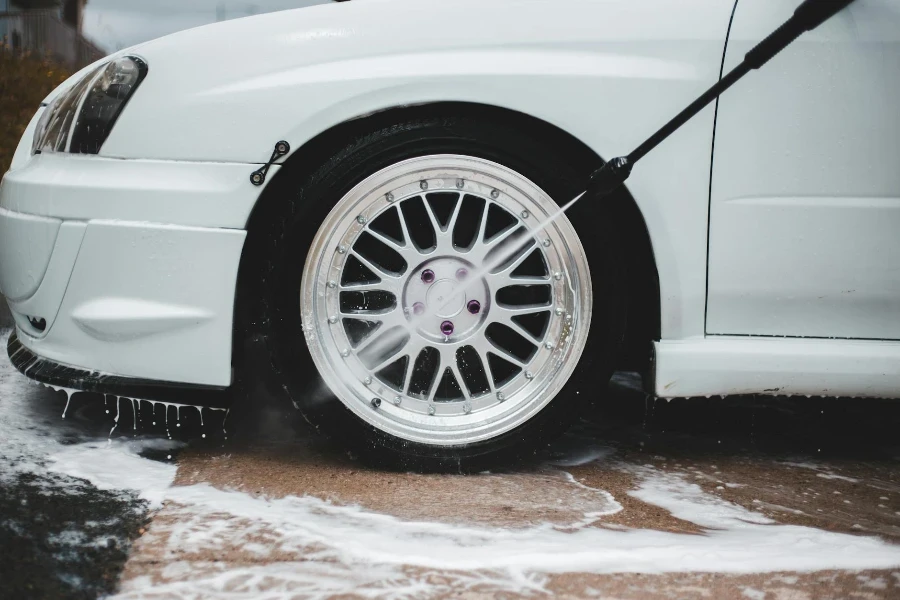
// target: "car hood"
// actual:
[[334, 32], [229, 91]]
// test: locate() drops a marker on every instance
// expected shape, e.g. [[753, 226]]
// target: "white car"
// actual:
[[149, 249]]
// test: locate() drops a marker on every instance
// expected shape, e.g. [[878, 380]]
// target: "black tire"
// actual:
[[298, 202]]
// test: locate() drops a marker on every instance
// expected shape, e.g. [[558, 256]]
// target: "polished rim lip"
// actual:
[[368, 198]]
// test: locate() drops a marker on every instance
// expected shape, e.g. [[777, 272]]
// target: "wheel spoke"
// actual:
[[454, 368], [506, 313], [439, 374], [529, 279], [404, 228], [451, 226], [521, 255], [444, 237], [435, 224], [377, 269], [375, 286], [389, 360], [505, 278], [486, 365], [507, 355], [505, 235], [407, 250], [411, 349], [407, 375], [498, 248], [482, 226], [507, 320], [392, 330]]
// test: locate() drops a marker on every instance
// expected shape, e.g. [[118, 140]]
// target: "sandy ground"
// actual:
[[604, 460], [852, 499]]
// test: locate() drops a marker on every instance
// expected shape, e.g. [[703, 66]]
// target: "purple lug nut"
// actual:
[[447, 327], [427, 275], [462, 274], [474, 307], [418, 308]]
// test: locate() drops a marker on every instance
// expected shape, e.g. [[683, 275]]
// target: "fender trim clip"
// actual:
[[258, 177]]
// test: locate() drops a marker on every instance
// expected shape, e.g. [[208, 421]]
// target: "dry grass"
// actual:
[[24, 82]]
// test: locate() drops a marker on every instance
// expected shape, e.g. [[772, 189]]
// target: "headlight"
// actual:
[[80, 119], [52, 132]]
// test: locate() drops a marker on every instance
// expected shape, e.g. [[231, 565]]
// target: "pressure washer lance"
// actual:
[[807, 17], [605, 180]]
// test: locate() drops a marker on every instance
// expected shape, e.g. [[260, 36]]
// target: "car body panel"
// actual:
[[805, 209], [79, 187], [146, 301], [26, 241], [600, 70], [149, 290], [45, 300], [731, 365]]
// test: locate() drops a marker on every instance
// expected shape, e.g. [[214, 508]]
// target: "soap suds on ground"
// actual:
[[635, 506]]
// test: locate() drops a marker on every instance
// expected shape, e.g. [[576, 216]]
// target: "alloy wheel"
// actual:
[[437, 308]]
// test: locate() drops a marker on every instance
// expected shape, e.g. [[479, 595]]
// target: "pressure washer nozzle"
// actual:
[[607, 178]]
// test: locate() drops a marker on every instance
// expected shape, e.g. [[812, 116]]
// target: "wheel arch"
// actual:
[[643, 325]]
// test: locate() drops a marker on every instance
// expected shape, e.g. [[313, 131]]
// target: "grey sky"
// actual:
[[115, 24]]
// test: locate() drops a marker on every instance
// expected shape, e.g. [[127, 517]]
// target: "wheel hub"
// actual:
[[438, 296]]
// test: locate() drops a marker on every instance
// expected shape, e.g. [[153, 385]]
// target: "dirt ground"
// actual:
[[867, 501], [792, 464]]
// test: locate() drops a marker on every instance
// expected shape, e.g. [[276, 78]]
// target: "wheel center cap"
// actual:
[[444, 300]]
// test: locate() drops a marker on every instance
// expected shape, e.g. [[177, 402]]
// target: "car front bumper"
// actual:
[[125, 268]]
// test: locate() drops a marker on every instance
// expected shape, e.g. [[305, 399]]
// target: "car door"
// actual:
[[804, 232]]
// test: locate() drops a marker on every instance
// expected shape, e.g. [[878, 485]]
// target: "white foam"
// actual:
[[116, 465], [823, 471], [350, 546], [838, 477], [315, 581], [32, 432], [348, 549]]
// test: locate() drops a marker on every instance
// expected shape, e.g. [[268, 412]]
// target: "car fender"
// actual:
[[607, 72]]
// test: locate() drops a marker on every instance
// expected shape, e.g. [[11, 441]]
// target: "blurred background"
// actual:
[[42, 42]]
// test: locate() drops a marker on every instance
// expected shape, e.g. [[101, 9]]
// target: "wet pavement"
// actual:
[[6, 319], [64, 538], [760, 498]]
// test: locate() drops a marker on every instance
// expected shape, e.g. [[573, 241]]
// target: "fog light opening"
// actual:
[[38, 323]]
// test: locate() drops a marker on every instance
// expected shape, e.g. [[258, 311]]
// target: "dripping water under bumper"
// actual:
[[56, 374]]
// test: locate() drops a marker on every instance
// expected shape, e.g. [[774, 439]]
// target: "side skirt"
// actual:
[[725, 365]]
